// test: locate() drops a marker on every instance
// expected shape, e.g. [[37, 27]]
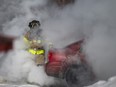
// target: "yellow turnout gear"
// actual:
[[26, 40], [36, 52], [33, 41]]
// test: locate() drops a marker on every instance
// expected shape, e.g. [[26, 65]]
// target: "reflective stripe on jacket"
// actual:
[[36, 52]]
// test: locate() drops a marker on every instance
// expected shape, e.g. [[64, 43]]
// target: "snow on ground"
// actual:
[[8, 85], [110, 83]]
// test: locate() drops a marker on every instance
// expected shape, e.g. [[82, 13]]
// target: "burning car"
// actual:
[[67, 63]]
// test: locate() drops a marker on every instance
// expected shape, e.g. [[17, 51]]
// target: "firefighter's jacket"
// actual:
[[34, 37]]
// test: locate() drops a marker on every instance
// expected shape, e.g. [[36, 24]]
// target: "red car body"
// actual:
[[61, 59]]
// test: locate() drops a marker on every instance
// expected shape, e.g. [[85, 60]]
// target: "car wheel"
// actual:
[[79, 75]]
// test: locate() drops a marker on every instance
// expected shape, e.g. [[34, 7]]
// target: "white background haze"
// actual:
[[93, 20]]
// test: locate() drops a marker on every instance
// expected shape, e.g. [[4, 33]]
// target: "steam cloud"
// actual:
[[93, 20]]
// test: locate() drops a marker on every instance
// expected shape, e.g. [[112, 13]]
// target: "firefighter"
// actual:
[[33, 37], [34, 30]]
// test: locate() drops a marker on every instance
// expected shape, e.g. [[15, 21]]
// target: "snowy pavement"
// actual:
[[110, 83], [10, 85]]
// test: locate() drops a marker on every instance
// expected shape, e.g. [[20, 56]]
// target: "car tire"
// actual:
[[79, 75]]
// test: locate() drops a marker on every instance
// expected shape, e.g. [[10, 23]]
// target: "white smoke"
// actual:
[[101, 45], [93, 20], [18, 65]]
